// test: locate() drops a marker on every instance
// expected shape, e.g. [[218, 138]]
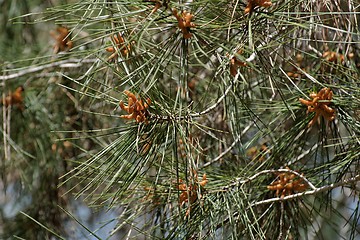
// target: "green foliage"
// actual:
[[224, 123]]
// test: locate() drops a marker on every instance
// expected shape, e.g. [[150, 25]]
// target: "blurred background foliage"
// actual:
[[33, 158], [210, 127]]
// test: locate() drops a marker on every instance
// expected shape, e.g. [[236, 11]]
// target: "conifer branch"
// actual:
[[150, 170]]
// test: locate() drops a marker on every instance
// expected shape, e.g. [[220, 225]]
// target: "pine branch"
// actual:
[[203, 108]]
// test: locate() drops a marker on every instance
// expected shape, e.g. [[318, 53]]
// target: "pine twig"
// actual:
[[239, 181], [311, 192], [281, 225], [229, 148], [68, 63], [219, 100]]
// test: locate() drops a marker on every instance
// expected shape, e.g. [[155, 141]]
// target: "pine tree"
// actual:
[[211, 119]]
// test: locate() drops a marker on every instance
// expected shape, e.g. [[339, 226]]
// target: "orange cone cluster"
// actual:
[[14, 99], [320, 105], [253, 3], [235, 64], [62, 40], [119, 41], [287, 184], [258, 152], [333, 57], [295, 73], [189, 193], [137, 109], [184, 22]]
